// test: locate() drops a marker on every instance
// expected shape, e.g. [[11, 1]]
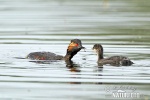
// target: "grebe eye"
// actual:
[[77, 44]]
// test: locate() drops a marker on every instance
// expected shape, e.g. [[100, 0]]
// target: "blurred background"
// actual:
[[121, 26]]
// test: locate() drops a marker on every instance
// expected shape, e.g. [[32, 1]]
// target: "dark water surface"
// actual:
[[121, 26]]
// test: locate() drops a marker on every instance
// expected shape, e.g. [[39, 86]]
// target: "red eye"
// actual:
[[76, 45], [72, 44]]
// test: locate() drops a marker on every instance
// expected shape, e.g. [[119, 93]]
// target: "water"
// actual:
[[122, 27]]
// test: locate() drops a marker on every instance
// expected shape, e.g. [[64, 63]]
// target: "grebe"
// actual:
[[114, 60], [74, 47]]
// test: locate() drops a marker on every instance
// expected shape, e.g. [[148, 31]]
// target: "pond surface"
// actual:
[[122, 27]]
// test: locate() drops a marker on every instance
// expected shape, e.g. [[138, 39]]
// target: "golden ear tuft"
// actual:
[[71, 45]]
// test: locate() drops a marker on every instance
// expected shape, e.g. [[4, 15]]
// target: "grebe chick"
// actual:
[[114, 60]]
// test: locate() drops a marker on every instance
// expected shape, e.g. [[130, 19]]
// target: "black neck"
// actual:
[[70, 54]]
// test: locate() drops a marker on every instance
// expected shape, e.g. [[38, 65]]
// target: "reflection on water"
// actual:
[[122, 27]]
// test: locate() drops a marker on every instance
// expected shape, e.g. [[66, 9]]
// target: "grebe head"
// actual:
[[74, 47], [98, 48]]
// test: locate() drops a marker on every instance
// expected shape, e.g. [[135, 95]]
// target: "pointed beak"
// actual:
[[83, 48]]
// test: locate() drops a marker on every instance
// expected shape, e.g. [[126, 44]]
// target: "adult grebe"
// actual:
[[74, 47]]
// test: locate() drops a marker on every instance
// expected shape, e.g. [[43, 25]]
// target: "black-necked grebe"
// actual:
[[74, 47], [114, 60]]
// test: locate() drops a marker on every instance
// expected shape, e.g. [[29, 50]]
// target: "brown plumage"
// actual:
[[74, 47], [114, 60]]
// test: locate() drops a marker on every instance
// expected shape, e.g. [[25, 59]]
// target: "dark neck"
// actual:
[[100, 55], [69, 55]]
